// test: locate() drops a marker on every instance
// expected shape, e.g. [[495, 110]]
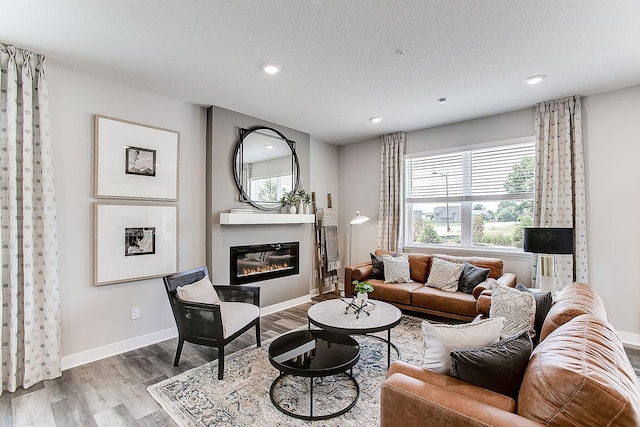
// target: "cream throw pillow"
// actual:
[[440, 339], [444, 275], [201, 291], [517, 307], [396, 269]]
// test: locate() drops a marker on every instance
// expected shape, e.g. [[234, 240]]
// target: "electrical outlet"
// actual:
[[135, 313]]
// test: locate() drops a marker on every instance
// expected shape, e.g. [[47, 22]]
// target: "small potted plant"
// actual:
[[290, 199], [305, 199], [362, 289]]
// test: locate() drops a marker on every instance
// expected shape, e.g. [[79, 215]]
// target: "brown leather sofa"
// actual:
[[579, 375], [416, 296]]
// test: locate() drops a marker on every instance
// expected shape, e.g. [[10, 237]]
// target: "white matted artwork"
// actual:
[[134, 242], [135, 161]]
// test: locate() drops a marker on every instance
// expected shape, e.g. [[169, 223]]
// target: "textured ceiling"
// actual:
[[339, 65]]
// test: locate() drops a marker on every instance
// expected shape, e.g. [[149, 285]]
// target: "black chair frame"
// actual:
[[202, 323]]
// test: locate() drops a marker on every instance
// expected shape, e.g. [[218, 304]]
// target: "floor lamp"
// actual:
[[547, 242], [358, 219]]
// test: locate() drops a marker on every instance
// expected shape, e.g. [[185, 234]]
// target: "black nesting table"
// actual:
[[311, 354]]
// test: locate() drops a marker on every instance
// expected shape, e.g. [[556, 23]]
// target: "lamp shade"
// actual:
[[358, 219], [548, 240]]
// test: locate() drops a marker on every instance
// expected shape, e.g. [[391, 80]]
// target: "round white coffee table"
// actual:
[[335, 315]]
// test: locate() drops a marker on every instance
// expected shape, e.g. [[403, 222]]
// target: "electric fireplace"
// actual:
[[254, 263]]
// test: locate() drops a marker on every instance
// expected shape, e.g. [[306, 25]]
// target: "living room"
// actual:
[[96, 320]]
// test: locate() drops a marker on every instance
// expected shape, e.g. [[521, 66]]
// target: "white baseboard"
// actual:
[[88, 356], [630, 339]]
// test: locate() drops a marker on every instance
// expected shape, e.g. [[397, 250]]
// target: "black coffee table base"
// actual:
[[312, 417]]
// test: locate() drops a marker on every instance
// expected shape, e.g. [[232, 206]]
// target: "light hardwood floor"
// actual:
[[113, 391]]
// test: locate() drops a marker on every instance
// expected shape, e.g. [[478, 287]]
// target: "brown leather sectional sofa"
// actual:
[[416, 296], [579, 375]]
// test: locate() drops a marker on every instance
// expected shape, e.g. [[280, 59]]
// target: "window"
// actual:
[[271, 188], [481, 196]]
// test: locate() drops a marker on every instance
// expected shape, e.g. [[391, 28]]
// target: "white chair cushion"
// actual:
[[236, 315], [201, 291]]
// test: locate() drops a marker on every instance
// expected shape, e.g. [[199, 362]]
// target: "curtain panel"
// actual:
[[559, 194], [391, 191], [31, 350]]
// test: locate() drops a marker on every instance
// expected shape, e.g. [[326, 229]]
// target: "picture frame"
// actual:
[[134, 241], [135, 161]]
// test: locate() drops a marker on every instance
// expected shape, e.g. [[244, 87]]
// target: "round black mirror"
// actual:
[[265, 166]]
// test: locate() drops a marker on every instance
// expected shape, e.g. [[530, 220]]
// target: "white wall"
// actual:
[[611, 135], [96, 320]]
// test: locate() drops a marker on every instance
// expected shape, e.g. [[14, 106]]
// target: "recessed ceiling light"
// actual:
[[375, 119], [271, 68], [534, 80], [442, 100], [269, 147]]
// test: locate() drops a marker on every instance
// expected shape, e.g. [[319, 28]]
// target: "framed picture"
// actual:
[[134, 242], [135, 161]]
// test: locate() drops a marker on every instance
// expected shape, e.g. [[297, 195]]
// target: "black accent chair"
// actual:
[[203, 323]]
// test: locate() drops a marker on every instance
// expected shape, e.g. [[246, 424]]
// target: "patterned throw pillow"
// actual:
[[544, 300], [439, 339], [396, 269], [444, 275], [518, 308]]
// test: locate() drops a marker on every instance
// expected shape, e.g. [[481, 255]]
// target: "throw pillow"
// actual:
[[377, 266], [518, 308], [471, 277], [440, 339], [396, 269], [444, 275], [544, 300], [499, 367], [201, 291]]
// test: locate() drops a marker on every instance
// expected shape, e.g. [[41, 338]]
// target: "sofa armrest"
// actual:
[[360, 272], [410, 402], [483, 303], [507, 279]]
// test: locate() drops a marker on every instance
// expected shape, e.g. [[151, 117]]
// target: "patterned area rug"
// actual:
[[197, 398]]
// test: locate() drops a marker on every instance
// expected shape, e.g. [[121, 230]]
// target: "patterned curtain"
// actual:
[[30, 296], [560, 184], [391, 202]]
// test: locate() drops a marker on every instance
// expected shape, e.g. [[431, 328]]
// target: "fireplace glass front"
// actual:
[[254, 263]]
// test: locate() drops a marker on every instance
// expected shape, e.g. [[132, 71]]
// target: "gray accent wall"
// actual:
[[222, 195]]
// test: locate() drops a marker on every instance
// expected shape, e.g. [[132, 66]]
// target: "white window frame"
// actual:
[[466, 201]]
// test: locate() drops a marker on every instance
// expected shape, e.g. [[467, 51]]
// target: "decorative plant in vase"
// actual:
[[362, 289], [291, 200], [305, 199]]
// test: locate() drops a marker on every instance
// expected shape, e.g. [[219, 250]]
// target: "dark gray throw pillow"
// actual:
[[471, 276], [543, 305], [499, 367], [377, 267]]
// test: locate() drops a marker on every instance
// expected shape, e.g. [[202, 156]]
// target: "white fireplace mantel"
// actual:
[[227, 218]]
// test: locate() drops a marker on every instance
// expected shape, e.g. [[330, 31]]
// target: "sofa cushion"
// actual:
[[471, 276], [419, 264], [396, 269], [495, 265], [575, 299], [457, 303], [440, 339], [582, 364], [518, 308], [544, 301], [444, 275], [498, 367], [393, 292]]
